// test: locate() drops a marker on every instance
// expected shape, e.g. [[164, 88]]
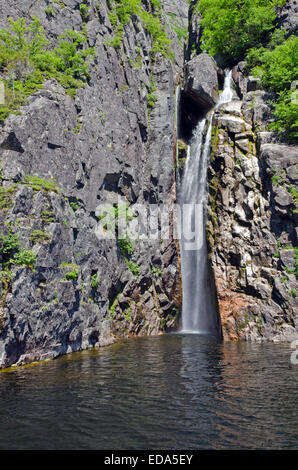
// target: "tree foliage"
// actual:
[[232, 27], [278, 69], [247, 29]]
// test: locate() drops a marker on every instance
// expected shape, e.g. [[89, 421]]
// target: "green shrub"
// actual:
[[156, 271], [10, 243], [111, 217], [5, 278], [61, 4], [151, 95], [293, 293], [275, 179], [12, 252], [94, 281], [71, 275], [285, 110], [134, 268], [278, 67], [49, 11], [24, 257], [126, 246], [75, 205], [84, 11]]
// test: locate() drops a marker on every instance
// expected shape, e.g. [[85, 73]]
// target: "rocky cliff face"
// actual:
[[252, 210], [252, 227], [252, 224], [104, 143]]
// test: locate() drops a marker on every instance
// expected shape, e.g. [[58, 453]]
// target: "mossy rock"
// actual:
[[182, 149]]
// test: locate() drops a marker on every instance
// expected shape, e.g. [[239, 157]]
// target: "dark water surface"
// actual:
[[166, 392]]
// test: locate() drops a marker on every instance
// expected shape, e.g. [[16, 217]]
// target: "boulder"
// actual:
[[201, 80]]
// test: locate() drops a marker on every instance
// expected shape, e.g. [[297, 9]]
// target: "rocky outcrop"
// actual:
[[252, 221], [288, 16], [201, 81], [104, 144]]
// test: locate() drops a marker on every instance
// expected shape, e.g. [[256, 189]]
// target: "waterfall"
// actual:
[[199, 297]]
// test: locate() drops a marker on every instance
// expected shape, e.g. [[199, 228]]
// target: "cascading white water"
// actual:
[[199, 303]]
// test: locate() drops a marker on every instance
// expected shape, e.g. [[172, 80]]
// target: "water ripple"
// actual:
[[165, 392]]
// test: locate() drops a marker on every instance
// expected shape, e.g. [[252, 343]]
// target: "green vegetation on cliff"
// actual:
[[123, 11], [13, 254], [26, 61], [232, 27], [278, 69], [235, 30]]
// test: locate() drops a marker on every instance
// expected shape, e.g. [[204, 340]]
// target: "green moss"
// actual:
[[48, 217], [40, 184], [7, 196], [38, 236], [214, 141], [61, 4]]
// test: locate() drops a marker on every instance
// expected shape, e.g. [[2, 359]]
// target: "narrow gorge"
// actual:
[[119, 103]]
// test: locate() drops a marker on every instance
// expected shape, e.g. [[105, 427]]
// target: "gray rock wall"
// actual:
[[103, 144], [252, 226]]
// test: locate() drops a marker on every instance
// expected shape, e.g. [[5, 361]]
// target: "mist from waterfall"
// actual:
[[199, 309]]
